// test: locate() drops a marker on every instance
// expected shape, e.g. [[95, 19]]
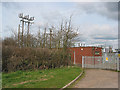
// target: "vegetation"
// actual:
[[52, 78], [42, 51], [41, 60], [33, 59]]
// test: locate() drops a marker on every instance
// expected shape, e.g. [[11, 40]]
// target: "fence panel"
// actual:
[[100, 62]]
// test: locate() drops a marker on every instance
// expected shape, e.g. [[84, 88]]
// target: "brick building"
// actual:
[[78, 52]]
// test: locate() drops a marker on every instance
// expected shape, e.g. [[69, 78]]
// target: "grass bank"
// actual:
[[52, 78], [73, 84]]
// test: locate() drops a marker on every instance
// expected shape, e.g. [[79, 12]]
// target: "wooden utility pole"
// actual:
[[22, 31], [50, 37], [28, 35], [25, 19], [28, 28], [19, 34], [44, 37], [39, 38]]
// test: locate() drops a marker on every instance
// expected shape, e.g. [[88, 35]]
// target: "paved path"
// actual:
[[95, 78]]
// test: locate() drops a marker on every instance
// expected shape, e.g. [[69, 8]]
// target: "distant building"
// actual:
[[78, 52]]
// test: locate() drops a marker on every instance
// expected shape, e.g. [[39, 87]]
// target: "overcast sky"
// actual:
[[97, 21]]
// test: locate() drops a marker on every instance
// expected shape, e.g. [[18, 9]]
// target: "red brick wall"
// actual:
[[83, 51]]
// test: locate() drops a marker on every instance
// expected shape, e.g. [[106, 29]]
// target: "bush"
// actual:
[[15, 58]]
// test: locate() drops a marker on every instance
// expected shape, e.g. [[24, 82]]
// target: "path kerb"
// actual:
[[72, 80]]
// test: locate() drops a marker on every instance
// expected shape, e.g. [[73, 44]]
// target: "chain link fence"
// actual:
[[106, 61]]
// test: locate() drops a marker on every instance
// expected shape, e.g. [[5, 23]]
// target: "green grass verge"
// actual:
[[52, 78], [73, 84]]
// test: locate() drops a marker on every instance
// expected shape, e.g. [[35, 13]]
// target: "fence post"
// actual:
[[74, 58], [82, 61], [117, 63]]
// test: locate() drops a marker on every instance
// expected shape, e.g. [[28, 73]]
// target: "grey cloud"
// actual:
[[105, 37], [51, 16], [9, 5], [99, 34], [107, 9]]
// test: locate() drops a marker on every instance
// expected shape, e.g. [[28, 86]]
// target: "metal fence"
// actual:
[[107, 61]]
